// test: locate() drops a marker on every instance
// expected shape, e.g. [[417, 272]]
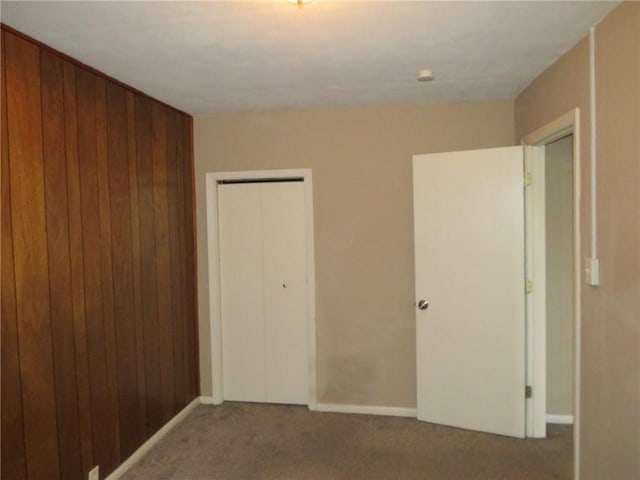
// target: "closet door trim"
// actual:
[[215, 319]]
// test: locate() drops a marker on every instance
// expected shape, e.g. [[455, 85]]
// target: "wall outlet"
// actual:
[[592, 271], [94, 474]]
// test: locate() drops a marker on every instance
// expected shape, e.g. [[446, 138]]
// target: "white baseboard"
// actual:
[[560, 419], [146, 446], [207, 400], [366, 410]]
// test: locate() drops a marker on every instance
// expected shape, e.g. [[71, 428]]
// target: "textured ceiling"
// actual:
[[207, 57]]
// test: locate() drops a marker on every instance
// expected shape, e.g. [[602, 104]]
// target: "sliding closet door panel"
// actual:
[[285, 292], [241, 292]]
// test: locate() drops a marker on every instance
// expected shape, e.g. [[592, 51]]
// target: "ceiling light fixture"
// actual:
[[300, 3], [425, 76]]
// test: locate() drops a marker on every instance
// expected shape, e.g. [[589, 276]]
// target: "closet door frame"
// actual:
[[215, 318]]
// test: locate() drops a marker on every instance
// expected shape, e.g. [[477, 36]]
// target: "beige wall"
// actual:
[[610, 341], [559, 243], [361, 162]]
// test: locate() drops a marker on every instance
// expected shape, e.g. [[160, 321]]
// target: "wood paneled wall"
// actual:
[[99, 341]]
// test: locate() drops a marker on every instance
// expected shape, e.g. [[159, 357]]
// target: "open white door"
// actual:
[[470, 293]]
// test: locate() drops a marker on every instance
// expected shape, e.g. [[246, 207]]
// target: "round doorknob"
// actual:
[[423, 305]]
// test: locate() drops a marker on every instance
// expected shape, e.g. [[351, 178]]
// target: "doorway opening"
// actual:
[[553, 238], [559, 279]]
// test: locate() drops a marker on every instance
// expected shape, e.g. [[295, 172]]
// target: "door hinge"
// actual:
[[528, 286], [528, 179], [528, 391]]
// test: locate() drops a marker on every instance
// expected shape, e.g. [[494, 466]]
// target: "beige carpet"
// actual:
[[237, 441]]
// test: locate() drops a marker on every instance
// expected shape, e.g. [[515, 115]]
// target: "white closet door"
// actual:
[[264, 292], [285, 292], [241, 291]]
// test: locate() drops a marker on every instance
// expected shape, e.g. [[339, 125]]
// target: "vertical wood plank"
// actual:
[[30, 256], [77, 267], [13, 453], [121, 245], [175, 261], [93, 295], [148, 262], [136, 266], [57, 218], [190, 244], [163, 273], [183, 322], [104, 200]]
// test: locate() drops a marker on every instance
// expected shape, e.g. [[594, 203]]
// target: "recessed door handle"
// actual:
[[423, 305]]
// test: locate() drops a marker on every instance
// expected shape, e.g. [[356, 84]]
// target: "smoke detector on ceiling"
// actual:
[[425, 76]]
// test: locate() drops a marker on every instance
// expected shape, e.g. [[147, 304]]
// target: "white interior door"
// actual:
[[470, 257], [263, 291]]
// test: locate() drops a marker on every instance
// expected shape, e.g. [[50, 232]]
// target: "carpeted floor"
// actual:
[[242, 441]]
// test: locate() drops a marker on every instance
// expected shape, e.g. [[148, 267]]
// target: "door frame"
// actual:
[[212, 180], [535, 290], [566, 124]]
